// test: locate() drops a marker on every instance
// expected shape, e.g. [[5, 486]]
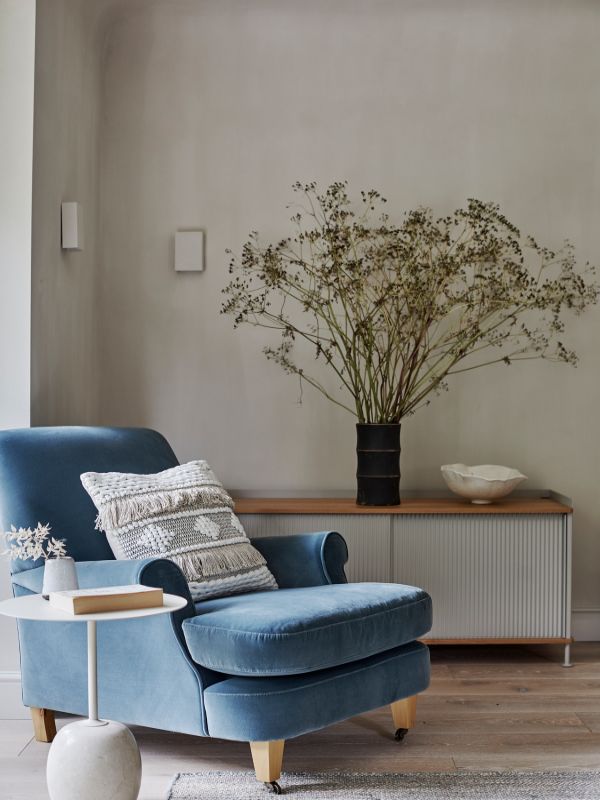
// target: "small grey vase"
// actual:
[[59, 576]]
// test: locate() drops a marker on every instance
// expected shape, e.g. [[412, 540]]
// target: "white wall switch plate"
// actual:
[[189, 251], [71, 226]]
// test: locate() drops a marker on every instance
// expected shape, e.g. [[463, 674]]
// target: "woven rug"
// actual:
[[412, 786]]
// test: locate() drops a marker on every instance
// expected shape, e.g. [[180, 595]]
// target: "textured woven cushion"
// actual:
[[303, 630], [184, 514]]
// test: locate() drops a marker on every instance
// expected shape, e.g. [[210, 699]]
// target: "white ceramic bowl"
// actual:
[[481, 484]]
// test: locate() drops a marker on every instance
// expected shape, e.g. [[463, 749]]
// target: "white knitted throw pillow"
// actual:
[[183, 514]]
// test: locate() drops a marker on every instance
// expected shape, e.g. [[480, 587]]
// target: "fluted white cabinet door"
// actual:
[[490, 576]]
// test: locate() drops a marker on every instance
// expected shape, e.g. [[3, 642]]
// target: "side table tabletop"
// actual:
[[91, 759]]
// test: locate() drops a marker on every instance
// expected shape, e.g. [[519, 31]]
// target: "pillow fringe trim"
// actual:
[[202, 564], [119, 512]]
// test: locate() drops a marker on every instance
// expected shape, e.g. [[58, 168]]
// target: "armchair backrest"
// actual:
[[39, 479]]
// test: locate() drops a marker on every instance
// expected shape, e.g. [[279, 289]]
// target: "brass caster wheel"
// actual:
[[400, 734], [274, 787]]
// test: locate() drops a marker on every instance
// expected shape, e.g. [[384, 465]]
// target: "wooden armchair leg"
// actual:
[[267, 758], [404, 713], [44, 726]]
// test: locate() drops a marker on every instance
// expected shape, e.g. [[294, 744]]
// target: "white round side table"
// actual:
[[91, 759]]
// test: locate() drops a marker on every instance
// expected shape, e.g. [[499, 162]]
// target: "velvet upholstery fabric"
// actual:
[[146, 674], [309, 559], [259, 709], [39, 479], [294, 631]]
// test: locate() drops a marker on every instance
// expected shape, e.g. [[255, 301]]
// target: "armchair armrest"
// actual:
[[158, 572], [146, 675], [305, 559]]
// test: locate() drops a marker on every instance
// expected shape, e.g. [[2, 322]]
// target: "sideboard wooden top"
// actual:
[[347, 505]]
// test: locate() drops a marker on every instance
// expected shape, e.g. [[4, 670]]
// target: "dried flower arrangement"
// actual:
[[394, 310]]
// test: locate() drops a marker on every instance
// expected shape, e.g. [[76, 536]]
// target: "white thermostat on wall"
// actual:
[[71, 226], [189, 251]]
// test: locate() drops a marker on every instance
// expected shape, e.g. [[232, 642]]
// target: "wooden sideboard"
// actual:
[[498, 573]]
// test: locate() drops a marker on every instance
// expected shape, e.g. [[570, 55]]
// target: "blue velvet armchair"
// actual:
[[260, 667]]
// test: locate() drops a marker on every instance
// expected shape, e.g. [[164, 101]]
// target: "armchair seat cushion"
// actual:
[[294, 631], [259, 709]]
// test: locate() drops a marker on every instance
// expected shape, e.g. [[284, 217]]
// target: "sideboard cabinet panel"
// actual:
[[368, 538], [490, 576]]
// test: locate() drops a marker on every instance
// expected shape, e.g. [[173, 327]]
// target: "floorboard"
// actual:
[[488, 708]]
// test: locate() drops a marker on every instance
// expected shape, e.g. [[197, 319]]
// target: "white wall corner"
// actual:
[[17, 57], [586, 624]]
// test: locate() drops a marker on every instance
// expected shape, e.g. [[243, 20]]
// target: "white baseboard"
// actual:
[[11, 706], [10, 676], [586, 624]]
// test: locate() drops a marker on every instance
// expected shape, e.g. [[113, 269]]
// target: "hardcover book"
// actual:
[[107, 598]]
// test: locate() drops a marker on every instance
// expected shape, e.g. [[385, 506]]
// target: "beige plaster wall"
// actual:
[[64, 364], [212, 110]]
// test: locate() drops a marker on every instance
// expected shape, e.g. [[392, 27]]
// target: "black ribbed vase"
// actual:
[[378, 464]]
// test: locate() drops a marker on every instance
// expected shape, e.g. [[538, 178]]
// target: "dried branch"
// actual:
[[394, 310]]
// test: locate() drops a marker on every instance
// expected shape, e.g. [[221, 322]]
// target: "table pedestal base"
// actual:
[[94, 760]]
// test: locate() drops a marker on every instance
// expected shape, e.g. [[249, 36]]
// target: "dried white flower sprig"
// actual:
[[25, 543]]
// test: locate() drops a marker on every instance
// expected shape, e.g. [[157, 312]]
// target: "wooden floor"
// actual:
[[488, 708]]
